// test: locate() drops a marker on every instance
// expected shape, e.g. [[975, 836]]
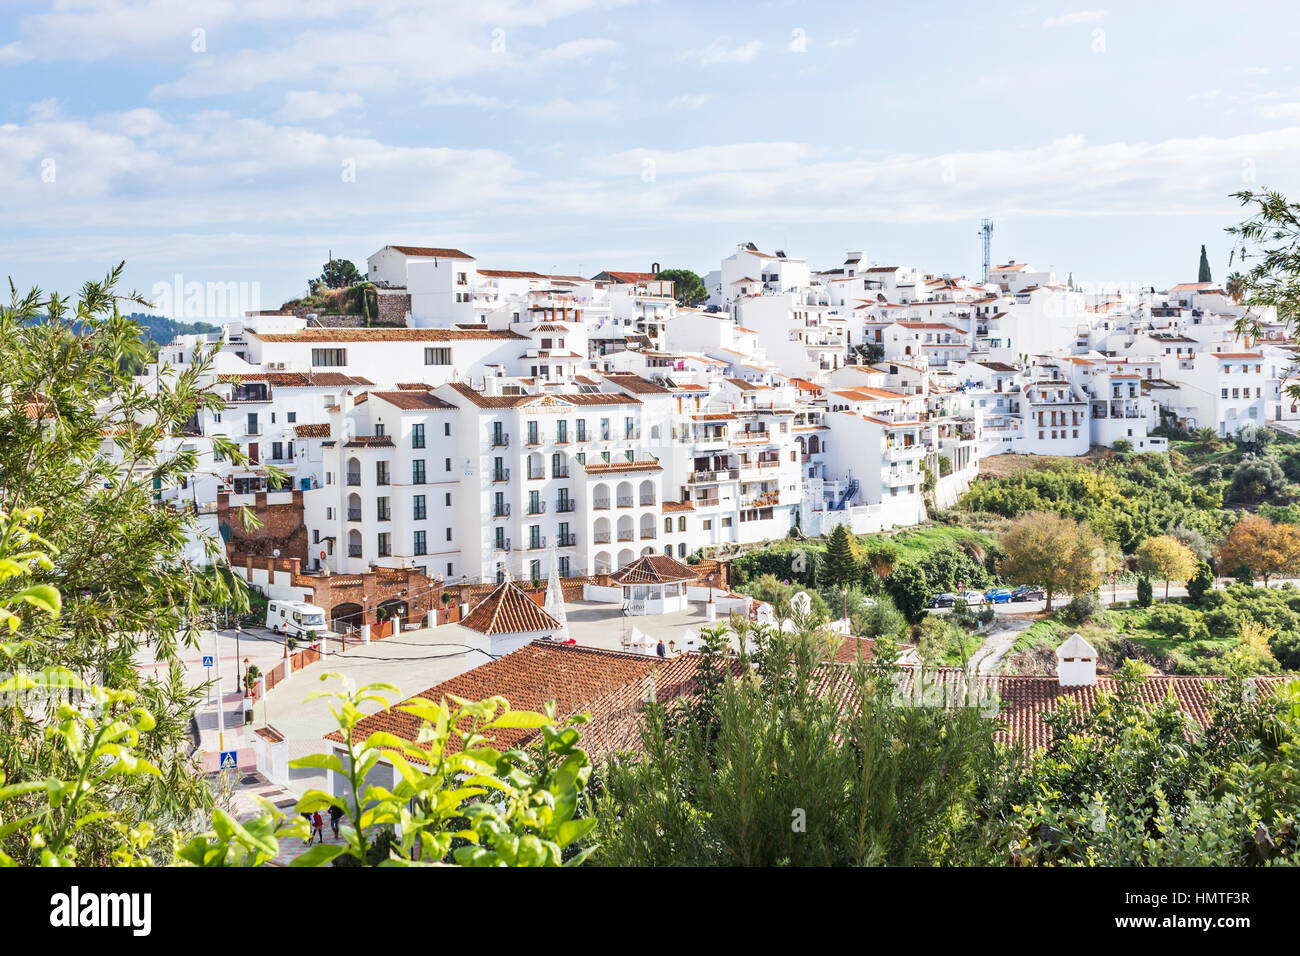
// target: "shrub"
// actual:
[[1144, 592], [1201, 583], [1175, 620], [910, 588], [1083, 608]]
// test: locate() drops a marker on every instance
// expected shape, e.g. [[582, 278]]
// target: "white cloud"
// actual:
[[301, 106], [576, 49], [562, 108], [689, 101], [1077, 18], [1279, 111], [722, 51]]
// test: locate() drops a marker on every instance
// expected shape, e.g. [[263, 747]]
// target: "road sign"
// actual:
[[229, 760], [207, 660]]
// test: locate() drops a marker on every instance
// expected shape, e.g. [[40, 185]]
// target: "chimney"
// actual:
[[1076, 663]]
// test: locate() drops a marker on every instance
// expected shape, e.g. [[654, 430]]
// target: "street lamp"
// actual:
[[237, 630], [844, 592]]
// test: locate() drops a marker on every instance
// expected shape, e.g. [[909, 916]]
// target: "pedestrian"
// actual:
[[661, 650], [317, 827], [336, 814]]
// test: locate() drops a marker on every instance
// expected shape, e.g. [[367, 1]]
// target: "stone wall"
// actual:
[[281, 527]]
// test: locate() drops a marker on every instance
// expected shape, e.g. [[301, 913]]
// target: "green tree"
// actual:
[[96, 454], [840, 565], [1165, 557], [688, 288], [336, 274], [1201, 582], [1055, 553], [910, 589], [1203, 272], [1268, 242]]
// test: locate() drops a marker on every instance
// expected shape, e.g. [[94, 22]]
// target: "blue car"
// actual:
[[998, 596]]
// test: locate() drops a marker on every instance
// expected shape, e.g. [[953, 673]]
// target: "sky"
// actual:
[[227, 141]]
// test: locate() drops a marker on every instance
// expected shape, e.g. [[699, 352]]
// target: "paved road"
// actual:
[[1004, 631]]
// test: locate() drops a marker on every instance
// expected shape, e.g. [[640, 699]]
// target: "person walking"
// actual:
[[317, 827], [336, 814], [307, 816], [661, 650]]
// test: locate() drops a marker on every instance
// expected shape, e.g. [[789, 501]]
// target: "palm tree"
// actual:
[[1236, 286], [1206, 439]]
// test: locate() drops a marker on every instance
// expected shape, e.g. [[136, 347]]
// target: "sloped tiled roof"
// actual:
[[434, 251], [315, 430], [508, 610], [654, 569], [411, 400], [386, 335]]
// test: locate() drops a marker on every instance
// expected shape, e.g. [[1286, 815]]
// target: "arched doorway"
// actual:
[[390, 609], [346, 616]]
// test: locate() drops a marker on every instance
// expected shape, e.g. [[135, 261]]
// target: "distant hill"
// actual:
[[164, 330]]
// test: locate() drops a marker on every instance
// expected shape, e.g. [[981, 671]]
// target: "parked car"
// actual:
[[1026, 593], [946, 599], [998, 595]]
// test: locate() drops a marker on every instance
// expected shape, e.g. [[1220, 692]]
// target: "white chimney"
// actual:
[[1076, 663]]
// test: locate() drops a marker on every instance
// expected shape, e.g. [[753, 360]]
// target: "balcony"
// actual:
[[647, 534], [647, 501], [536, 508], [601, 537], [354, 479], [627, 535], [501, 474], [501, 511], [500, 441], [565, 505], [625, 501], [354, 514], [537, 543], [559, 472], [715, 475], [600, 504], [501, 544], [567, 540], [532, 440], [354, 551]]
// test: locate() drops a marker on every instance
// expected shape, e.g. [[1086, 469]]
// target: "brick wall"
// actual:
[[281, 527]]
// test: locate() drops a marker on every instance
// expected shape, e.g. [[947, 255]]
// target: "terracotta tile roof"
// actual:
[[612, 467], [312, 430], [577, 679], [552, 399], [510, 274], [654, 569], [629, 278], [432, 251], [411, 400], [635, 384], [673, 507], [297, 379], [508, 610], [369, 441], [851, 647], [414, 387], [387, 335]]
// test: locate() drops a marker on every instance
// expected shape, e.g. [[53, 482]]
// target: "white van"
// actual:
[[295, 618]]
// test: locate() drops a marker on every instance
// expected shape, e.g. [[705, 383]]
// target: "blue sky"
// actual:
[[231, 141]]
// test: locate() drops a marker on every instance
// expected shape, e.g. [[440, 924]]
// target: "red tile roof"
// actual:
[[508, 610], [654, 569], [386, 335], [411, 400], [312, 430], [433, 251]]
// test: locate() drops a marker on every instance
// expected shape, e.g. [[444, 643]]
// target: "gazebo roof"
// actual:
[[654, 569], [508, 610]]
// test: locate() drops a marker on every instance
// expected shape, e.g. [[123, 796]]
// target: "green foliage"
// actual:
[[1125, 500], [840, 563], [458, 800], [688, 288], [336, 274], [1201, 583], [779, 595], [910, 589], [1144, 592], [946, 568], [1082, 608], [1255, 479], [794, 776]]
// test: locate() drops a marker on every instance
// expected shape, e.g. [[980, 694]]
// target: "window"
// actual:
[[437, 356], [561, 431], [381, 472], [448, 534], [668, 525], [532, 433], [385, 544], [324, 358], [291, 417], [446, 464], [381, 505], [418, 546], [446, 429], [535, 570], [417, 471], [379, 429], [564, 567], [681, 523], [582, 429], [418, 511], [417, 436]]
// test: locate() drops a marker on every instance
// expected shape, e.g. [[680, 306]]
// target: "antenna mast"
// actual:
[[986, 231]]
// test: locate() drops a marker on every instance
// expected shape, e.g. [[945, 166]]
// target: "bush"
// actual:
[[1255, 479], [1144, 592], [881, 619], [947, 567], [1083, 608], [1175, 620], [1202, 582], [910, 588]]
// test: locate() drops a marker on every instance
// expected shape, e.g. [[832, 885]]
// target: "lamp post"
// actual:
[[247, 688], [237, 675], [844, 593]]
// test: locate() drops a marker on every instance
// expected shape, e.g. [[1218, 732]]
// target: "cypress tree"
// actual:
[[841, 566], [1204, 275]]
